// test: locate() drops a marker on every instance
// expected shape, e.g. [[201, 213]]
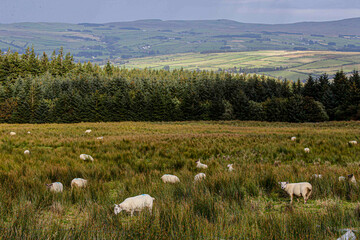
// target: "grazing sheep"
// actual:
[[55, 187], [136, 203], [306, 150], [86, 157], [303, 189], [341, 178], [100, 138], [293, 138], [201, 165], [230, 167], [26, 152], [351, 178], [317, 176], [277, 163], [79, 182], [353, 142], [199, 176], [88, 131], [28, 132], [12, 133], [168, 178]]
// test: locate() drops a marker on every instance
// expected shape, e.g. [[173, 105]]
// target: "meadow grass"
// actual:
[[244, 204]]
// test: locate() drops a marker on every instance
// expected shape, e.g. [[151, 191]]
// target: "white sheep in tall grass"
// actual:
[[12, 133], [86, 157], [55, 187], [26, 152], [317, 176], [342, 178], [88, 131], [293, 138], [303, 189], [201, 165], [230, 167], [79, 182], [353, 142], [135, 204], [100, 138], [28, 132], [306, 150], [168, 178], [199, 177]]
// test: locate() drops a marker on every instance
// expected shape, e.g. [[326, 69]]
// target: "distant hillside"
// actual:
[[123, 40]]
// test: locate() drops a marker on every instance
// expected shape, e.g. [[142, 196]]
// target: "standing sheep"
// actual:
[[88, 131], [199, 176], [86, 157], [303, 189], [100, 138], [28, 132], [168, 178], [230, 167], [293, 138], [353, 142], [341, 178], [79, 182], [306, 150], [55, 187], [12, 133], [136, 203], [26, 152], [201, 165]]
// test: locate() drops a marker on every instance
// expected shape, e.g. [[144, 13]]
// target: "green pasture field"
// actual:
[[244, 204]]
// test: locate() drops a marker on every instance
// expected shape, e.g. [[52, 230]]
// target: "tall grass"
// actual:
[[244, 204]]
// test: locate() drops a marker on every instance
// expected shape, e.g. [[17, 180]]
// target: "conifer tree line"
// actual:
[[39, 89]]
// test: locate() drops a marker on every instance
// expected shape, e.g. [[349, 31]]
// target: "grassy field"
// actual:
[[244, 204], [298, 64]]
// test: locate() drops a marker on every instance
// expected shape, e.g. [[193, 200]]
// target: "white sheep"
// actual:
[[201, 165], [79, 182], [293, 138], [28, 132], [303, 189], [100, 138], [168, 178], [12, 133], [230, 167], [26, 152], [306, 150], [353, 142], [317, 176], [88, 131], [351, 178], [55, 187], [341, 178], [199, 176], [136, 203], [86, 157]]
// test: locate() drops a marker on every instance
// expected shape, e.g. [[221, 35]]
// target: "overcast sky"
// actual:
[[102, 11]]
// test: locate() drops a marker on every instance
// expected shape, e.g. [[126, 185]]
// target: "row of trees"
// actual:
[[65, 91]]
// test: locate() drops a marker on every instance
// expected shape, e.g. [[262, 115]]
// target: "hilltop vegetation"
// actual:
[[124, 40], [244, 204], [36, 90]]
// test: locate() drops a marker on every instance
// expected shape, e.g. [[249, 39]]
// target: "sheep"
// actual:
[[353, 142], [341, 178], [26, 152], [86, 157], [230, 167], [199, 176], [88, 131], [306, 150], [277, 163], [55, 187], [317, 176], [79, 182], [136, 203], [201, 165], [293, 138], [298, 189], [168, 178], [351, 178], [100, 138], [12, 133]]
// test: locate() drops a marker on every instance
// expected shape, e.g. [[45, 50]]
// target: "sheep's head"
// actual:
[[117, 209], [48, 185], [350, 176], [198, 161], [230, 165], [283, 184]]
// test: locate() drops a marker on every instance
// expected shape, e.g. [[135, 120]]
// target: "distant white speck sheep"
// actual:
[[201, 165], [136, 203], [341, 178], [230, 167], [303, 189], [26, 152], [168, 178], [79, 182], [88, 131], [55, 187], [306, 150], [293, 138], [12, 133], [100, 138], [317, 176], [86, 157], [28, 132], [353, 142], [199, 176]]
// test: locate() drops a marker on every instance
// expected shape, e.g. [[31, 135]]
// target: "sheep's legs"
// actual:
[[132, 213], [291, 199]]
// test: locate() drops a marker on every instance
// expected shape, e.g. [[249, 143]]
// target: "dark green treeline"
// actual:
[[37, 89]]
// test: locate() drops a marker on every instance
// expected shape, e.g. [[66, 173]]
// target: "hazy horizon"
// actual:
[[247, 11]]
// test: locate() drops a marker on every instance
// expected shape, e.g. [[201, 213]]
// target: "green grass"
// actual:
[[244, 204]]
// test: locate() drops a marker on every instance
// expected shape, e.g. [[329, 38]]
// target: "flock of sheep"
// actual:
[[138, 203]]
